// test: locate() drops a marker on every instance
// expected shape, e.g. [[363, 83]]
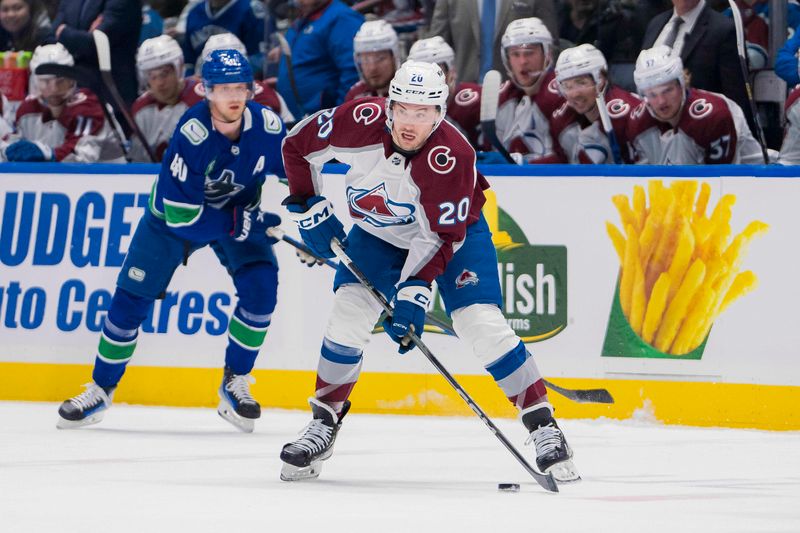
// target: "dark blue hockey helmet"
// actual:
[[226, 66]]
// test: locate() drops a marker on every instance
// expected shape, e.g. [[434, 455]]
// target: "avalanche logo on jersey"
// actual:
[[220, 190], [374, 207], [467, 277]]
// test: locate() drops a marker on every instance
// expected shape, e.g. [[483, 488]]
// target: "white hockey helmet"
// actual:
[[157, 52], [416, 82], [220, 41], [581, 60], [523, 32], [433, 50], [376, 36], [51, 53], [657, 66]]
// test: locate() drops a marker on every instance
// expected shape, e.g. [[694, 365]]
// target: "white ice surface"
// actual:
[[146, 469]]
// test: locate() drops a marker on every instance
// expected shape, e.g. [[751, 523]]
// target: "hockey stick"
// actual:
[[86, 79], [277, 233], [576, 395], [737, 21], [605, 121], [286, 50], [490, 96], [104, 63], [545, 480]]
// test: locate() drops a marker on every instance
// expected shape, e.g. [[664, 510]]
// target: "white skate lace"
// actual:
[[90, 397], [239, 386], [545, 438], [315, 436]]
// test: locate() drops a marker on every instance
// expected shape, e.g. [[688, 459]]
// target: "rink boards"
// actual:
[[65, 230]]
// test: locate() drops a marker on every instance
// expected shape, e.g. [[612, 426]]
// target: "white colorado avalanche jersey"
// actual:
[[711, 130], [422, 203], [790, 149]]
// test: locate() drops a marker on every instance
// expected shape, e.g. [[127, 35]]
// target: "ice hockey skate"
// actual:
[[236, 404], [553, 454], [302, 458], [85, 409]]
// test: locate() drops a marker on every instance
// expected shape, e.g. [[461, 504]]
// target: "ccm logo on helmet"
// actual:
[[440, 161], [366, 113]]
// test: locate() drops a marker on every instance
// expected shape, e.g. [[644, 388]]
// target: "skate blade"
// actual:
[[245, 425], [301, 473], [63, 423], [564, 472]]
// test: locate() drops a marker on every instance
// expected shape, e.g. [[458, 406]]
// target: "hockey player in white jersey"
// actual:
[[415, 199], [679, 125], [790, 149], [579, 136], [376, 52], [60, 121], [159, 62], [530, 97]]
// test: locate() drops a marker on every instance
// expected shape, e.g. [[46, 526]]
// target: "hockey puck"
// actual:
[[508, 487]]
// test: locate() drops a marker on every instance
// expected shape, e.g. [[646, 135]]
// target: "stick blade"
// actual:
[[490, 95], [103, 50]]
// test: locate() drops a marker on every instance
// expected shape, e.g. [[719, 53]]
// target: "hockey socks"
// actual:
[[113, 353], [337, 373], [246, 333], [516, 373]]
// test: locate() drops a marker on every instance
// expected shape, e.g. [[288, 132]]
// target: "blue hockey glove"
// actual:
[[317, 223], [491, 158], [410, 305], [252, 225], [29, 152]]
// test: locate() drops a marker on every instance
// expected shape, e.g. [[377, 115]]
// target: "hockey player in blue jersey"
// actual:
[[207, 193]]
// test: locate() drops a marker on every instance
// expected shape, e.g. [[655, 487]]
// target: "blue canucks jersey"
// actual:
[[204, 174]]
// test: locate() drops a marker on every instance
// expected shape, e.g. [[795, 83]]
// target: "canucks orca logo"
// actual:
[[374, 207], [220, 190], [467, 277]]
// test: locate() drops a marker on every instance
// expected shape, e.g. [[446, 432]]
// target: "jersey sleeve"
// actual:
[[179, 195], [324, 135], [84, 123], [450, 197]]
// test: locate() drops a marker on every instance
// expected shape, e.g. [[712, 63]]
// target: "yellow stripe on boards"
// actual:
[[670, 402]]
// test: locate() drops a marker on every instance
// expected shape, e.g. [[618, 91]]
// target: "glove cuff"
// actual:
[[415, 291], [314, 214]]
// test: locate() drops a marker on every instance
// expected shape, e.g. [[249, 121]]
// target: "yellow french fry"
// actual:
[[655, 307], [654, 226], [639, 205], [676, 311], [626, 214], [667, 242], [618, 240], [743, 283], [699, 309], [687, 198], [681, 260], [629, 271], [702, 200], [638, 301]]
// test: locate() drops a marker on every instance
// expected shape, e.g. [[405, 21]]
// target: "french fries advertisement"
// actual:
[[680, 269]]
